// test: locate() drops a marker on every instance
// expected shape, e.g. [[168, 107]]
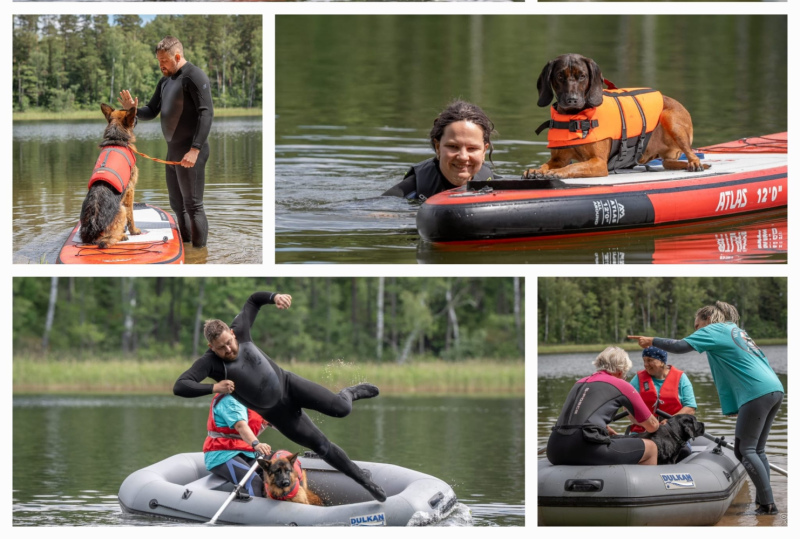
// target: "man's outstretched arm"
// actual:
[[244, 321]]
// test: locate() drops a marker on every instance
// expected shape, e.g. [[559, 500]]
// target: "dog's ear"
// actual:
[[594, 94], [130, 118], [107, 110], [545, 86], [293, 458]]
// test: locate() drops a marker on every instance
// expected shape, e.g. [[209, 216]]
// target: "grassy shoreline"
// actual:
[[34, 375], [34, 115], [629, 346]]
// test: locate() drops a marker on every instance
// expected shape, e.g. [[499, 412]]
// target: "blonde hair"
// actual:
[[718, 313], [613, 359]]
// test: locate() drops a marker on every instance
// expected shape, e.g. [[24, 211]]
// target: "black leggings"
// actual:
[[288, 417], [752, 428], [186, 187], [235, 469], [571, 449]]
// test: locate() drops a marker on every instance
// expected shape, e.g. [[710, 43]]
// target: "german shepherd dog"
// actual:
[[108, 207], [286, 480]]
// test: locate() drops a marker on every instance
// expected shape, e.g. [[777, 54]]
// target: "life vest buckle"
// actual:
[[583, 126]]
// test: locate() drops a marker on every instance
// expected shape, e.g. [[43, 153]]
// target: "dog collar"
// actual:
[[289, 495]]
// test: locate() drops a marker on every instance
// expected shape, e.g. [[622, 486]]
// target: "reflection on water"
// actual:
[[95, 442], [356, 95], [53, 161], [557, 373]]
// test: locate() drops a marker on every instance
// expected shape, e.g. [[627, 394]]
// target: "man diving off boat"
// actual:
[[242, 370]]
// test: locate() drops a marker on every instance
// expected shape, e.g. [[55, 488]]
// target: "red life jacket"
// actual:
[[668, 399], [627, 116], [282, 453], [114, 166], [228, 439]]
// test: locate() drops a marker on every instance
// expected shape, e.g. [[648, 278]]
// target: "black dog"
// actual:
[[673, 435]]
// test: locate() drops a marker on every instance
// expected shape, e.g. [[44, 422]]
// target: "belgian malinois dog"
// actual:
[[108, 207]]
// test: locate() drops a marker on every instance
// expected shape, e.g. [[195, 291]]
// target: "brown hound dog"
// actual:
[[578, 85]]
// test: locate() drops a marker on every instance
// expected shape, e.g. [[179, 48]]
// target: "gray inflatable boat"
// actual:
[[697, 491], [180, 487]]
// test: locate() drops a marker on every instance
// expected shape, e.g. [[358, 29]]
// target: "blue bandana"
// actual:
[[655, 353]]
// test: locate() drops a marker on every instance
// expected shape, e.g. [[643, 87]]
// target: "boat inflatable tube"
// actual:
[[180, 487], [694, 492]]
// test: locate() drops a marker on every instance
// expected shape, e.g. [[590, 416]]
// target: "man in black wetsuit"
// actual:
[[183, 98], [241, 369]]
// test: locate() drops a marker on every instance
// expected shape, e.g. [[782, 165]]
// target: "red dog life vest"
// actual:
[[114, 166], [668, 399], [627, 116], [228, 439], [282, 453]]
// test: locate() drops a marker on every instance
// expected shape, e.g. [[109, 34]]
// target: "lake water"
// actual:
[[72, 452], [53, 161], [557, 373], [356, 96]]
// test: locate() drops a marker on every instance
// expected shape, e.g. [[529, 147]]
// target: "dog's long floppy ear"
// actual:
[[594, 94], [130, 117], [544, 85], [107, 110]]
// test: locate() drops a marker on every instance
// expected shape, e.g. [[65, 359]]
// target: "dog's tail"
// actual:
[[98, 212]]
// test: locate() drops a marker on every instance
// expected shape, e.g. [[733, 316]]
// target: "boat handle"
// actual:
[[583, 485]]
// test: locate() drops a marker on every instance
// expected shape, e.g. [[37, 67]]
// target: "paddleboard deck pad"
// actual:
[[740, 180], [159, 243]]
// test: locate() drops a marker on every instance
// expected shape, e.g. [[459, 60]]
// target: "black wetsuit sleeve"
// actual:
[[200, 93], [189, 383], [407, 187], [673, 346], [244, 320], [153, 107]]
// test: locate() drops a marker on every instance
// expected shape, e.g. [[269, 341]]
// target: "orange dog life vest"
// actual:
[[114, 166], [627, 116]]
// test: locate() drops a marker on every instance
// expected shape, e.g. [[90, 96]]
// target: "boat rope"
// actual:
[[157, 160], [121, 249], [763, 143]]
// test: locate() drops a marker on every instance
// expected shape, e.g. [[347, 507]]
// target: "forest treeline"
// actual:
[[605, 310], [66, 62], [377, 319]]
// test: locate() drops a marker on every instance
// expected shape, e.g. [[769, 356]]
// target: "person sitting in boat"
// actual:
[[460, 138], [232, 444], [747, 387], [664, 387], [580, 436], [242, 370]]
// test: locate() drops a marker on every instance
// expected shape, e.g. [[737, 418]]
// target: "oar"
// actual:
[[726, 443], [234, 493]]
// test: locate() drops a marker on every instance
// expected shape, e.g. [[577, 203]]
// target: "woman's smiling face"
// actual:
[[461, 151]]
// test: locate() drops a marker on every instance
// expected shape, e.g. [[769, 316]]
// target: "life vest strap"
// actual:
[[214, 434], [573, 126]]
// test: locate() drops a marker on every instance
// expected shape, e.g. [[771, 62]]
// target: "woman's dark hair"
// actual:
[[458, 111]]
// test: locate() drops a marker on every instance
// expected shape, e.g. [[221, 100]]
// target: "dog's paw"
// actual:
[[133, 231], [549, 176], [696, 166], [124, 238]]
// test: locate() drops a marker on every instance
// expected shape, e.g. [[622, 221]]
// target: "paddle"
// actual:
[[721, 441], [234, 493]]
